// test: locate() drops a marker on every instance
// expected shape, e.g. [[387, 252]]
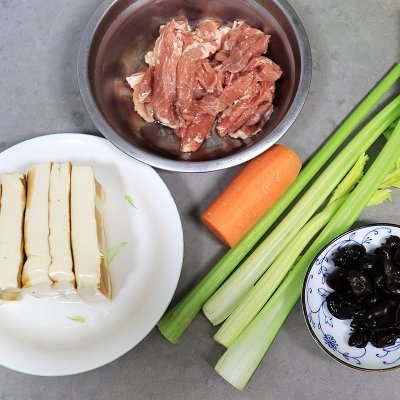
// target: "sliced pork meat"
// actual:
[[200, 45], [145, 111], [255, 123], [242, 43], [241, 87], [206, 76], [212, 75], [196, 132], [266, 69], [245, 110], [167, 52], [262, 110], [247, 131], [146, 86]]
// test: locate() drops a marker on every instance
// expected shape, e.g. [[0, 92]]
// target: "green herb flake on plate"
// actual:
[[112, 252], [130, 200], [77, 318]]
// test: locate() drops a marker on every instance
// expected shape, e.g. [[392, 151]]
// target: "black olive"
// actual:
[[334, 304], [346, 255], [380, 285], [369, 264], [379, 280], [349, 299], [383, 252], [385, 337], [347, 312], [359, 338], [392, 274], [392, 241], [338, 281], [371, 299], [396, 257], [340, 258], [388, 267], [338, 309], [360, 284], [355, 251], [381, 314], [358, 321]]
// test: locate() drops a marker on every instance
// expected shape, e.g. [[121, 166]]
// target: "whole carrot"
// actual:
[[251, 194]]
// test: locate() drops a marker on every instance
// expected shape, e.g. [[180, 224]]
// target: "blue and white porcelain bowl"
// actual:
[[329, 332]]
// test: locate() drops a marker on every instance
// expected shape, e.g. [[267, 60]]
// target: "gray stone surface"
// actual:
[[353, 43]]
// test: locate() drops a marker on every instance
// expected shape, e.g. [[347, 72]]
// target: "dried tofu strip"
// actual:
[[13, 199], [61, 267], [87, 236], [35, 275]]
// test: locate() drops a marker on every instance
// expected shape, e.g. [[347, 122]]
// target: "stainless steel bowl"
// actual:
[[115, 41]]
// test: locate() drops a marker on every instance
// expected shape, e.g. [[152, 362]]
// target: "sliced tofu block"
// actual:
[[87, 236], [35, 274], [61, 267], [13, 199]]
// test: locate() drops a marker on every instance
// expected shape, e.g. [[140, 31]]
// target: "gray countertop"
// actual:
[[354, 43]]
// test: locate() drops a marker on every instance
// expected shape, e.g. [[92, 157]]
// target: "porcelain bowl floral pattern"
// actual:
[[329, 332]]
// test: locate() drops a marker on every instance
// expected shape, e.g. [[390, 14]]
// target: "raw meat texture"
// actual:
[[244, 111], [206, 77], [197, 131], [146, 86], [242, 43], [266, 69], [144, 110], [167, 52], [255, 123], [200, 45], [211, 77]]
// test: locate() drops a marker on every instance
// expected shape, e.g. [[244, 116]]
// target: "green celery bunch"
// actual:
[[249, 307], [241, 359]]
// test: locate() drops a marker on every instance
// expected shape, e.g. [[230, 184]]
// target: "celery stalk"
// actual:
[[266, 286], [241, 359], [174, 323], [229, 295]]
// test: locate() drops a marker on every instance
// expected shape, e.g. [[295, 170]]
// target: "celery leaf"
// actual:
[[351, 179]]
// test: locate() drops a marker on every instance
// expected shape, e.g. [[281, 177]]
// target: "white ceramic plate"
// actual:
[[47, 336]]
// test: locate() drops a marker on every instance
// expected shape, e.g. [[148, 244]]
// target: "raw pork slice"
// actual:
[[212, 75]]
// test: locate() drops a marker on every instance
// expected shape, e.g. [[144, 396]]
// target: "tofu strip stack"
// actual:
[[12, 209], [88, 238], [61, 231], [35, 275], [61, 267]]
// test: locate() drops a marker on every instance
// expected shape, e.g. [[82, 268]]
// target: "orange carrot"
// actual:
[[251, 194]]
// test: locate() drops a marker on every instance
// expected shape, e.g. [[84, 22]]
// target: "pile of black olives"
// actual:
[[367, 290]]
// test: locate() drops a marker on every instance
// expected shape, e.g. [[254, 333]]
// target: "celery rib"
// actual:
[[174, 323], [229, 295], [241, 359], [265, 287]]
